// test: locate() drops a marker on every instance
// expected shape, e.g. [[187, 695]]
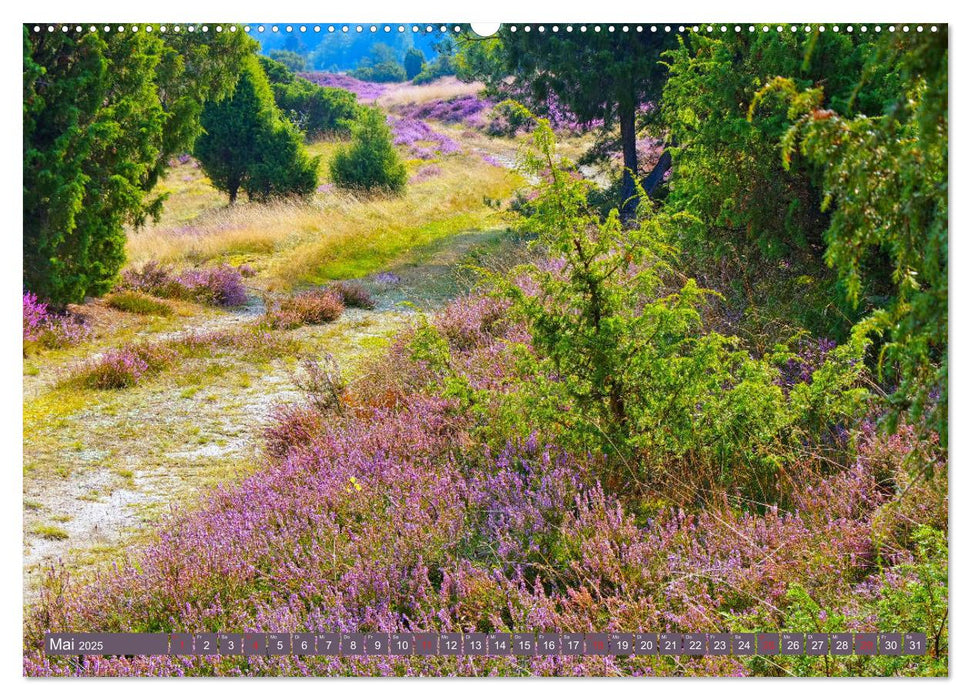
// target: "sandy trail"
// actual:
[[97, 478]]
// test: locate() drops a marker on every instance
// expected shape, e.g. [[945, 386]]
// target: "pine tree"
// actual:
[[414, 62], [247, 145]]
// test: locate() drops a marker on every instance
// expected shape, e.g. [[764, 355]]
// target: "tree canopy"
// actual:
[[103, 112], [609, 76]]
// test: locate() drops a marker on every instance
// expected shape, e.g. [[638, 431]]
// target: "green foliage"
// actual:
[[386, 72], [920, 604], [623, 363], [912, 599], [414, 62], [595, 75], [371, 162], [248, 145], [728, 173], [380, 66], [103, 112], [438, 68], [276, 72], [478, 57], [291, 59], [885, 180], [443, 64], [752, 212], [315, 110]]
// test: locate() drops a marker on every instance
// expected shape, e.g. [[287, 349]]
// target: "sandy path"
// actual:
[[96, 478]]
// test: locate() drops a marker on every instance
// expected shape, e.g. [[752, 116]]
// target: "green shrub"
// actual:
[[371, 163], [249, 146], [317, 110], [442, 65], [622, 363], [102, 114]]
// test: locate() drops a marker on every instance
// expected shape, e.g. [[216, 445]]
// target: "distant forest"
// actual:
[[343, 51]]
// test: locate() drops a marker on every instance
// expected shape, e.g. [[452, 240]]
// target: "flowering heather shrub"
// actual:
[[810, 356], [425, 172], [387, 279], [413, 133], [492, 160], [124, 367], [475, 322], [363, 89], [152, 278], [307, 308], [402, 525], [464, 109], [218, 286], [35, 313], [291, 428], [393, 516], [246, 270], [50, 330], [352, 294], [116, 369]]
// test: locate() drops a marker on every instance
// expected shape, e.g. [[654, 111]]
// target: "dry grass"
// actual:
[[335, 235], [441, 89]]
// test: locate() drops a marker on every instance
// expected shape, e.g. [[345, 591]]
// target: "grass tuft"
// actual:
[[49, 532], [138, 303]]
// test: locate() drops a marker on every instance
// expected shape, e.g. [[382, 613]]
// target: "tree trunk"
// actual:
[[656, 176], [628, 139], [233, 187]]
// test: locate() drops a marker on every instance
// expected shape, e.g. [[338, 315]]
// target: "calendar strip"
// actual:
[[482, 644]]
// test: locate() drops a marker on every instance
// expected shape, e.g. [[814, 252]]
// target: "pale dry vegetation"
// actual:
[[336, 234], [441, 89]]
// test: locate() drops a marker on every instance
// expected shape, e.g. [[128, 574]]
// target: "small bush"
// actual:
[[317, 110], [353, 295], [152, 278], [439, 68], [309, 308], [371, 163], [322, 382], [247, 145], [118, 369], [219, 286], [137, 303]]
